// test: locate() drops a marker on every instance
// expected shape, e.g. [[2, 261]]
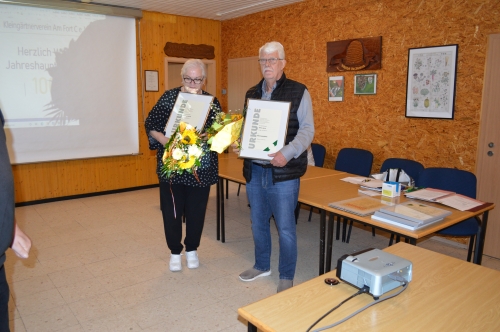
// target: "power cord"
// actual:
[[394, 276], [363, 290]]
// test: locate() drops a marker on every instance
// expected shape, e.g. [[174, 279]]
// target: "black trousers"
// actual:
[[4, 302], [189, 201]]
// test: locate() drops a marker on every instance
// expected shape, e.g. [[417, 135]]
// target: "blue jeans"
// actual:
[[278, 199]]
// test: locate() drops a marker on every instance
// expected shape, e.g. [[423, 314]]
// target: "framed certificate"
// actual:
[[189, 108], [265, 127]]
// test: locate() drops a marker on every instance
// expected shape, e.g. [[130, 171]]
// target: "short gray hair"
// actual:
[[273, 47], [193, 63]]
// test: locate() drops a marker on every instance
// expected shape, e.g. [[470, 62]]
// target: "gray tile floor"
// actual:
[[101, 264]]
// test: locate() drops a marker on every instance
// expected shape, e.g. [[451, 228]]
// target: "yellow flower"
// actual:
[[189, 137], [187, 164]]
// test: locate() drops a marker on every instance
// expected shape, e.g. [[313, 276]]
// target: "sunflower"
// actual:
[[189, 137], [187, 164]]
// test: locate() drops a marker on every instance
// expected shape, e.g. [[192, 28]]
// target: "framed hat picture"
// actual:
[[354, 54], [431, 82], [365, 84]]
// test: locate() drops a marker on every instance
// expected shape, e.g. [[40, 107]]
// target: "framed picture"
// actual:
[[365, 84], [265, 127], [189, 108], [336, 88], [151, 80], [431, 81]]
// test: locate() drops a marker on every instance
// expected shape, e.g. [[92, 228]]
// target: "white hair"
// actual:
[[273, 47], [193, 63]]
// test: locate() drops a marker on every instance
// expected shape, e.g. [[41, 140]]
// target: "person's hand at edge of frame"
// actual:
[[21, 244]]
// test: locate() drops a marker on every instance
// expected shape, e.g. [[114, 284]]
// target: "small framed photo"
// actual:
[[336, 88], [151, 80], [365, 84], [431, 82]]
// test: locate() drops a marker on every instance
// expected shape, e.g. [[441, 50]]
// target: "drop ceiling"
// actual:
[[216, 10]]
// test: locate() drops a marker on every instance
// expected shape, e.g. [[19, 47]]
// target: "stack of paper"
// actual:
[[411, 215], [362, 206], [456, 201]]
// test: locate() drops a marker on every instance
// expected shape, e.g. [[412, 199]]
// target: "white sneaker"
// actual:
[[192, 259], [175, 263]]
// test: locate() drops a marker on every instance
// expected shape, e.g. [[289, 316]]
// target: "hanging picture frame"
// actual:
[[336, 88], [431, 82], [365, 84]]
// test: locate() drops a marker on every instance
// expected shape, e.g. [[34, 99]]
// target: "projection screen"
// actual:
[[68, 84]]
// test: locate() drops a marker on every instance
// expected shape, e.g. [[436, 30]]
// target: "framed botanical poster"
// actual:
[[151, 80], [365, 84], [336, 88], [431, 81], [189, 108], [265, 127]]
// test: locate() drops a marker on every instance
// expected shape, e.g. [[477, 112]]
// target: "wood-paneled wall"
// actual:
[[378, 123], [66, 178]]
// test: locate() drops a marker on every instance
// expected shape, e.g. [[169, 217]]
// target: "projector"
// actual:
[[374, 268]]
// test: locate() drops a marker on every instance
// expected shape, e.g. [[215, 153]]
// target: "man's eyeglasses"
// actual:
[[271, 61], [195, 80]]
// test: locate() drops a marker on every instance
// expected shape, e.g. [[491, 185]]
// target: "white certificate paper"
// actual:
[[189, 108], [265, 127]]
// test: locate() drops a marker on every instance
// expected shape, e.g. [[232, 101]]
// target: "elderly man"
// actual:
[[273, 187]]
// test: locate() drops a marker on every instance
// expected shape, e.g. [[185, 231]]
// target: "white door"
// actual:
[[242, 74], [488, 158]]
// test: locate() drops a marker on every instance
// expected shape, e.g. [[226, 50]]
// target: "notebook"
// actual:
[[361, 206]]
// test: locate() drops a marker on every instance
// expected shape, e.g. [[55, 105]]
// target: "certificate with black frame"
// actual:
[[431, 82], [189, 108], [265, 127]]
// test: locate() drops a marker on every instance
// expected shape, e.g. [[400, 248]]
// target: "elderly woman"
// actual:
[[183, 194]]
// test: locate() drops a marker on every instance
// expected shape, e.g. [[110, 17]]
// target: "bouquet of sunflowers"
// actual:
[[183, 151], [224, 131]]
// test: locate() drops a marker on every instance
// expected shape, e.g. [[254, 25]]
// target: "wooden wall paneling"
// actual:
[[65, 178], [378, 123]]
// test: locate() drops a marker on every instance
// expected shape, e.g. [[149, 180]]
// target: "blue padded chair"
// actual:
[[460, 182], [411, 167], [354, 161], [319, 153]]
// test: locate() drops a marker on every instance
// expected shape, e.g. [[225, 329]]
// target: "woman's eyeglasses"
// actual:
[[195, 80]]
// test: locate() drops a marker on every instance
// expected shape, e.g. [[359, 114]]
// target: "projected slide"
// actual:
[[68, 86], [32, 43]]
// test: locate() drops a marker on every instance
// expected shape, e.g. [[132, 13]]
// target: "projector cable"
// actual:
[[365, 289]]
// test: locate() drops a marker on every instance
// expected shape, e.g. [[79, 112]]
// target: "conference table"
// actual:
[[445, 294], [321, 186]]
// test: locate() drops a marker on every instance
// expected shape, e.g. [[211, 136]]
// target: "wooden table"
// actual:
[[445, 294], [321, 186], [321, 192]]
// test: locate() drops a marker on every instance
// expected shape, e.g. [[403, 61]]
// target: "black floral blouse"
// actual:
[[208, 172]]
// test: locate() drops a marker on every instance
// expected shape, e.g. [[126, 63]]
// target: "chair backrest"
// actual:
[[319, 152], [355, 161], [451, 179], [411, 167]]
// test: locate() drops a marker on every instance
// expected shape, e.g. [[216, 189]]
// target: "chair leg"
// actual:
[[471, 245], [344, 226], [239, 187], [337, 234], [349, 231], [310, 214], [398, 238], [373, 231], [391, 240]]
